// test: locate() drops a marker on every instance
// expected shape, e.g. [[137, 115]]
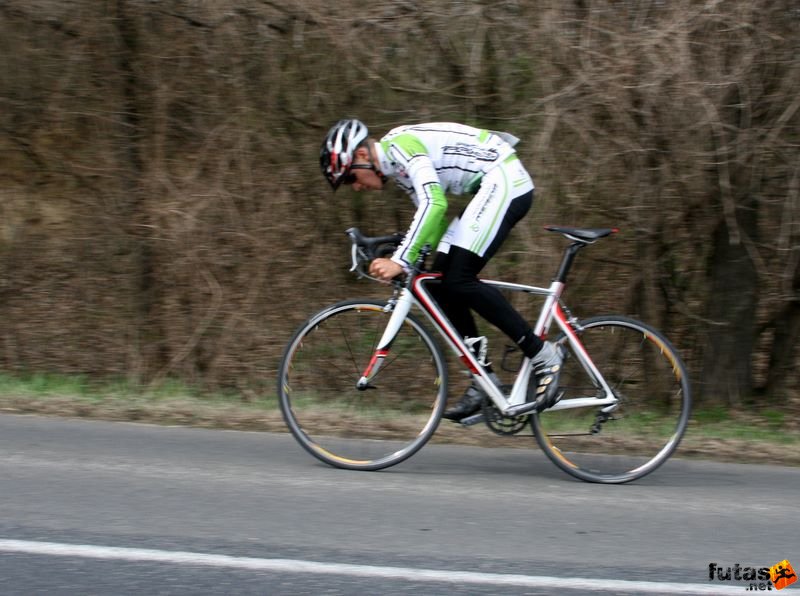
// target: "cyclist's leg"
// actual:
[[461, 291], [459, 313], [505, 196], [456, 310]]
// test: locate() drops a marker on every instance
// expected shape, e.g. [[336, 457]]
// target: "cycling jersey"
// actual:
[[429, 160]]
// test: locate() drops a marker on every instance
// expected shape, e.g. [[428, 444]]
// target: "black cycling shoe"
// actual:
[[469, 404]]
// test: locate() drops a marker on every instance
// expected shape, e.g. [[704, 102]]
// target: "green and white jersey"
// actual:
[[429, 160]]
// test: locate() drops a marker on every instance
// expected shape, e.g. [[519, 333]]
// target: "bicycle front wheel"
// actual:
[[646, 375], [361, 429]]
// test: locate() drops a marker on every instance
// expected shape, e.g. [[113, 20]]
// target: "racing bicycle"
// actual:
[[363, 383]]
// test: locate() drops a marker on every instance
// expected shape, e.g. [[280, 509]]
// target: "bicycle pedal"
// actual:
[[472, 420]]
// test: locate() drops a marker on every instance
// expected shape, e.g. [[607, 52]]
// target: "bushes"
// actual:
[[163, 214]]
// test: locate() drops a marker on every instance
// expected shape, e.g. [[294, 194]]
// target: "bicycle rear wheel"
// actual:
[[650, 381], [365, 429]]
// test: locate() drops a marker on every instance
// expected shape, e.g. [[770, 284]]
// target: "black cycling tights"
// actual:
[[460, 291]]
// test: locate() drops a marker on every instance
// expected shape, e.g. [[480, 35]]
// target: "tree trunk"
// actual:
[[726, 374], [784, 345], [132, 203]]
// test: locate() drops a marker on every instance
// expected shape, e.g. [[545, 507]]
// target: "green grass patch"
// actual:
[[711, 415], [44, 385], [80, 388], [724, 423]]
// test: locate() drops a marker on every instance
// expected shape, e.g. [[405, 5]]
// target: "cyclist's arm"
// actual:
[[429, 222]]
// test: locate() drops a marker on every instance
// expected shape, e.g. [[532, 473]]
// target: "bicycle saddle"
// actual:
[[583, 235]]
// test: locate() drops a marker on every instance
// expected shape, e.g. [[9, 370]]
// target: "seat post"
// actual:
[[566, 261]]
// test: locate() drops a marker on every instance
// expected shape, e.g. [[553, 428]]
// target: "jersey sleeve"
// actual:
[[429, 222]]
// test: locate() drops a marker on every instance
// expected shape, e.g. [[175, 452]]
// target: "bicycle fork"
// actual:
[[400, 308]]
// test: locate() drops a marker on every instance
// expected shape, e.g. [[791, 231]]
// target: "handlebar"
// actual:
[[367, 248], [377, 246]]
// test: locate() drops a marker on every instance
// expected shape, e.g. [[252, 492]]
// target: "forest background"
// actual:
[[162, 213]]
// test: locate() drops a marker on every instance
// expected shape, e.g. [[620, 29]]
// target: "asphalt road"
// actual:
[[116, 508]]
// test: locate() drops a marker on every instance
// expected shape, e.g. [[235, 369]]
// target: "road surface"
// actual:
[[90, 507]]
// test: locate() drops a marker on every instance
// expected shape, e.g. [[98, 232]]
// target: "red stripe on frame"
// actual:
[[423, 277]]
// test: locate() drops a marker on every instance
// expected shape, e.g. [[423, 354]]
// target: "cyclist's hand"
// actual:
[[385, 269]]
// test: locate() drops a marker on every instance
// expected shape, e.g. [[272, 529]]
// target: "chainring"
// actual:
[[499, 423]]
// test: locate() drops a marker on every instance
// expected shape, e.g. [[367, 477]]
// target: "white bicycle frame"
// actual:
[[415, 294]]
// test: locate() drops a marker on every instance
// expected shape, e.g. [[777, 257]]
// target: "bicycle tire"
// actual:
[[650, 380], [357, 429]]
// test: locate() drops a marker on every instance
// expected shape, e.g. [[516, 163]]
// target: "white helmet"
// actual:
[[336, 153]]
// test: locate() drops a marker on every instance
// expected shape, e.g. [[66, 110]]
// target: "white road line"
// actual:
[[379, 572]]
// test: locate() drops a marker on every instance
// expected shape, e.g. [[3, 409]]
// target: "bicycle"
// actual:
[[363, 383]]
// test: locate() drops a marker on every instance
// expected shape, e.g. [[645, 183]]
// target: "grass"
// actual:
[[170, 402], [714, 432], [44, 385], [82, 388], [770, 426]]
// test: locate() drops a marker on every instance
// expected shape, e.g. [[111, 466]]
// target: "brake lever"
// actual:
[[354, 255]]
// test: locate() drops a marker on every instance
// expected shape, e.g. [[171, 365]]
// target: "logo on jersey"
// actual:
[[471, 151]]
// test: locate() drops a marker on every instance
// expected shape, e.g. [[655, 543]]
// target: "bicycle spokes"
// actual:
[[620, 441], [377, 409]]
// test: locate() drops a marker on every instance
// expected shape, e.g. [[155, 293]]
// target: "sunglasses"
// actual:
[[349, 178]]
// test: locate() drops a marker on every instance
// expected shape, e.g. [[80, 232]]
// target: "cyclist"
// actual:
[[426, 161]]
